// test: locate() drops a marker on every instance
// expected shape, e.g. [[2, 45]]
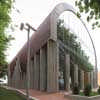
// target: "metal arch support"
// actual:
[[58, 10]]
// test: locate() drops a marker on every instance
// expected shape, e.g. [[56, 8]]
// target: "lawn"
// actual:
[[9, 95], [91, 94]]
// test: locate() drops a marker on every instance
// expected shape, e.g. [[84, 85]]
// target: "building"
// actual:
[[44, 60]]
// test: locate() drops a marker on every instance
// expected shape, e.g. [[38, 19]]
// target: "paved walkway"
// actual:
[[47, 96]]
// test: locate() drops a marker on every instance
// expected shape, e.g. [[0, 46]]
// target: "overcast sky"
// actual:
[[34, 12]]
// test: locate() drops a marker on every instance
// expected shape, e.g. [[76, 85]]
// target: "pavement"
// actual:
[[46, 96]]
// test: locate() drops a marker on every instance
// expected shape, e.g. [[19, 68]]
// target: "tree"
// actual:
[[91, 8], [73, 47], [5, 9]]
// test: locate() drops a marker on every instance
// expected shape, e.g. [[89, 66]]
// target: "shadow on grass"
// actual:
[[9, 95]]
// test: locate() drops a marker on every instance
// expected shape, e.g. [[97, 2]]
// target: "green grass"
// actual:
[[94, 93], [91, 94], [9, 95]]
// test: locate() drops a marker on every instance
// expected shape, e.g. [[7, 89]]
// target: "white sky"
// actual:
[[34, 12]]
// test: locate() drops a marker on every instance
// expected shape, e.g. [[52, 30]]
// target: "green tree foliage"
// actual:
[[92, 8], [5, 8], [70, 40]]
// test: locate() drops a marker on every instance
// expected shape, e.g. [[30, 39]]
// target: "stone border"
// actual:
[[78, 97], [19, 92]]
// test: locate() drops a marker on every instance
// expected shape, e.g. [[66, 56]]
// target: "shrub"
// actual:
[[99, 90], [87, 90], [75, 89]]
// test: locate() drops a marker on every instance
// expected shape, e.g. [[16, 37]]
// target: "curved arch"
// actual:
[[58, 10]]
